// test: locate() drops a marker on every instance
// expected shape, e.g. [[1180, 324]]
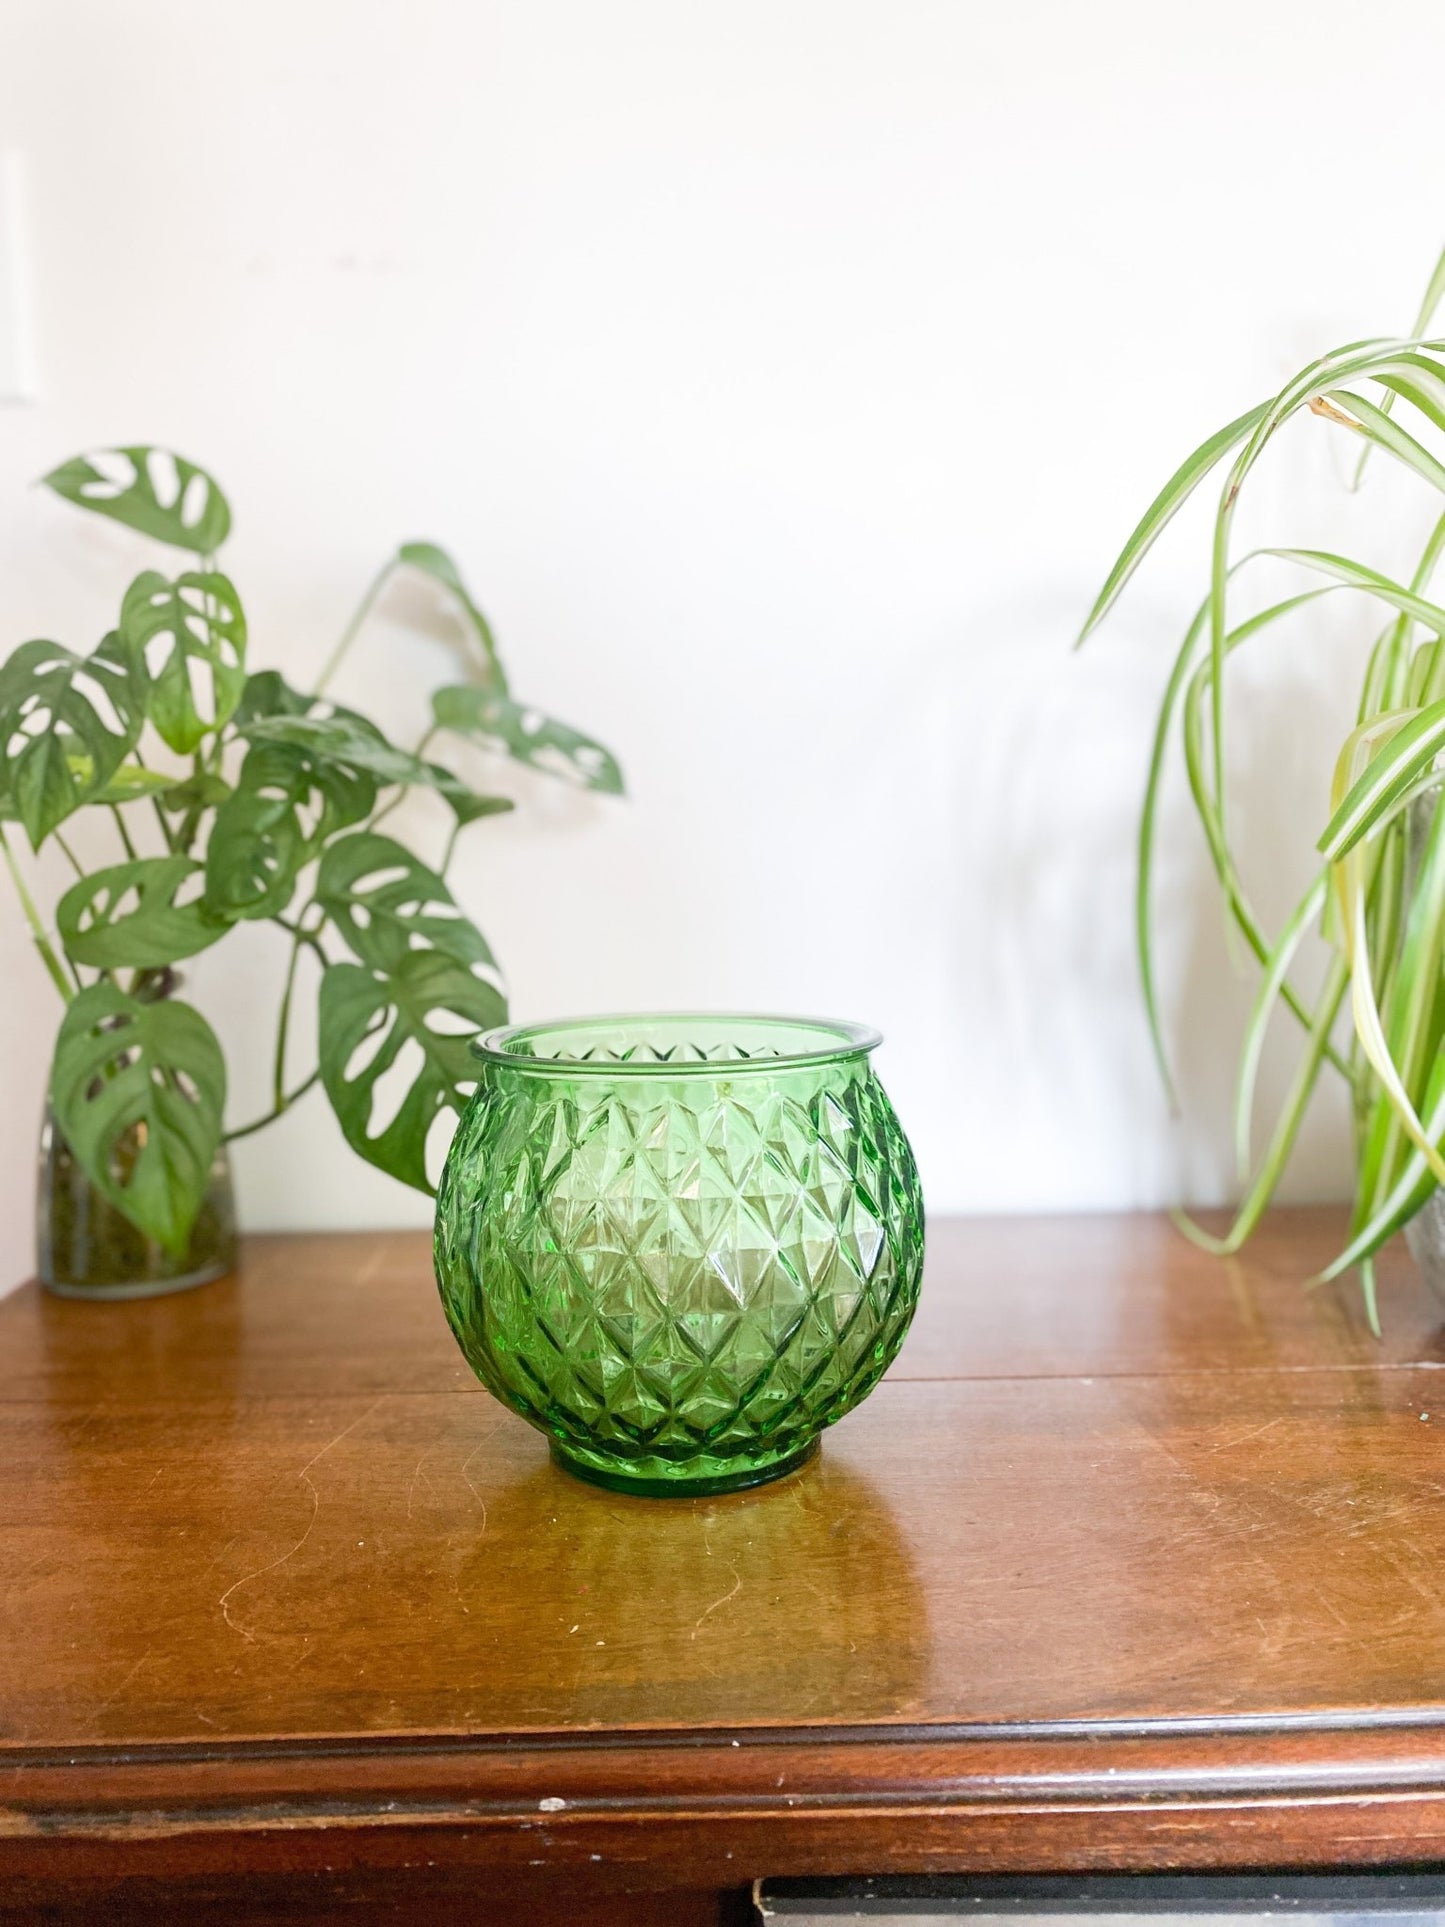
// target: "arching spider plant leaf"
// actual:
[[497, 722], [1287, 1127], [1185, 662], [1165, 506], [190, 633], [67, 724], [150, 489], [1409, 1192], [1416, 379], [1389, 926], [1211, 820], [1351, 883], [1408, 754], [1433, 296], [427, 1004], [1415, 1010], [387, 905], [436, 563], [138, 1090], [1355, 359], [1365, 418], [1303, 918], [134, 916]]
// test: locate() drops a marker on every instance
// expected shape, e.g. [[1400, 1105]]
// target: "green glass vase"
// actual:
[[680, 1246]]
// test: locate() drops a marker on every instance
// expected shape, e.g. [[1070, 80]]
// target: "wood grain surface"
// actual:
[[1132, 1561]]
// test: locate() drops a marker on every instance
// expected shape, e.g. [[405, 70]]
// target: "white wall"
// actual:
[[784, 372]]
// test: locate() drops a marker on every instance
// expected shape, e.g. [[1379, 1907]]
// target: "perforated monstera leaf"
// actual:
[[386, 903], [344, 740], [150, 489], [139, 915], [191, 634], [66, 725], [420, 993], [427, 1007], [267, 693], [497, 722], [436, 563], [270, 827], [257, 845], [138, 1090]]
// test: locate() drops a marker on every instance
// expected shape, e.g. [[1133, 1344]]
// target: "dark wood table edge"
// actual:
[[19, 1754], [1359, 1787]]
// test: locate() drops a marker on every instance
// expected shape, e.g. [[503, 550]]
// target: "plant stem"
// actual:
[[349, 633], [283, 1022], [447, 853], [282, 1099], [156, 806], [284, 1104], [386, 810], [32, 917], [304, 936], [191, 821], [71, 858], [400, 796], [130, 848], [165, 826]]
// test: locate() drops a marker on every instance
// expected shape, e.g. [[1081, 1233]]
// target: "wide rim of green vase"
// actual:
[[762, 1043]]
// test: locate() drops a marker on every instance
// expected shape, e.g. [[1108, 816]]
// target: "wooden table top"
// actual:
[[1127, 1537]]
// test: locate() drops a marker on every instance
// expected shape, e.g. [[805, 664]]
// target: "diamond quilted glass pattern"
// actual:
[[680, 1247]]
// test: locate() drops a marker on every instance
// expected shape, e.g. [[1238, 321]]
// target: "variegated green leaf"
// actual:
[[1429, 304], [1409, 753], [1165, 506]]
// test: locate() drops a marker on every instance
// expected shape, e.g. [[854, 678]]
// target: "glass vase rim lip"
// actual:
[[839, 1040]]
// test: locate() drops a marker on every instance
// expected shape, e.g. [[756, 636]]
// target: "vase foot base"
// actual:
[[683, 1484], [142, 1288]]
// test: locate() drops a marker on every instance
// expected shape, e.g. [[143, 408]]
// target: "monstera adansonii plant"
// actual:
[[232, 797]]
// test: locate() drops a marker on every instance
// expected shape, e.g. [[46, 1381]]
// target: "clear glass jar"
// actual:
[[86, 1249]]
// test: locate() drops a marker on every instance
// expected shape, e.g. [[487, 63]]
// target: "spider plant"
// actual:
[[1383, 917]]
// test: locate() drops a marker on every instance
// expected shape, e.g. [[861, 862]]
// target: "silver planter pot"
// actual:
[[1425, 1233]]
